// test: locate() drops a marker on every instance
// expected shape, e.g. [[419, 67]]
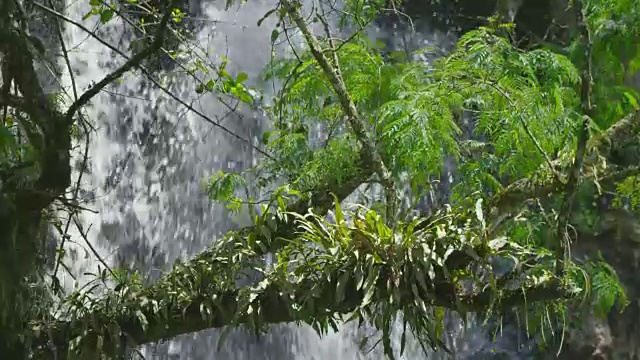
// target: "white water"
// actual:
[[147, 162]]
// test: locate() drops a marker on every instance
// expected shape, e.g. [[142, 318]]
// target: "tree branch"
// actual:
[[530, 134], [24, 199], [161, 87], [613, 143], [133, 62], [192, 299], [188, 299], [624, 133], [575, 171], [357, 123]]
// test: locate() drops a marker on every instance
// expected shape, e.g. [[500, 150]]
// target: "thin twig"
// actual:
[[529, 132], [65, 54], [86, 150], [332, 47], [75, 205], [93, 91], [160, 86], [133, 62], [93, 250]]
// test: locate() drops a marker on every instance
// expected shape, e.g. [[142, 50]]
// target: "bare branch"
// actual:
[[161, 87], [131, 63], [65, 54]]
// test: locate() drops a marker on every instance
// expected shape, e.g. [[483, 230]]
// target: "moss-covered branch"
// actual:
[[360, 268], [356, 271], [322, 270], [620, 144]]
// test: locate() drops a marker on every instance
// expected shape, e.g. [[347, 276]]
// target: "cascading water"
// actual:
[[148, 158]]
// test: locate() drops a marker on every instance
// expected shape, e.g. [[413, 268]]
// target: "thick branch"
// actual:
[[187, 316], [49, 136], [195, 311], [181, 310], [23, 199], [575, 171], [191, 300], [618, 142], [276, 304]]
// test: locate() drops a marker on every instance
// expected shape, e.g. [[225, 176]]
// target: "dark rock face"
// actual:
[[536, 20], [617, 336]]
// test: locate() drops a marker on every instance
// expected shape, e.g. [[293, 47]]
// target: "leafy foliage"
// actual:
[[507, 117], [222, 187], [628, 192], [615, 28], [524, 105], [415, 110], [606, 287]]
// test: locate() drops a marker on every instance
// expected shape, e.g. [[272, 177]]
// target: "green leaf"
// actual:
[[340, 288], [143, 320], [359, 278], [90, 13], [403, 338], [266, 232], [274, 35], [339, 214], [265, 137], [241, 77], [498, 243], [75, 342], [106, 15], [479, 213], [240, 92], [631, 99], [439, 320]]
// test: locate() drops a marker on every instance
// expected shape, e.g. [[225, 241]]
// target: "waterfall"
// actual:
[[148, 158]]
